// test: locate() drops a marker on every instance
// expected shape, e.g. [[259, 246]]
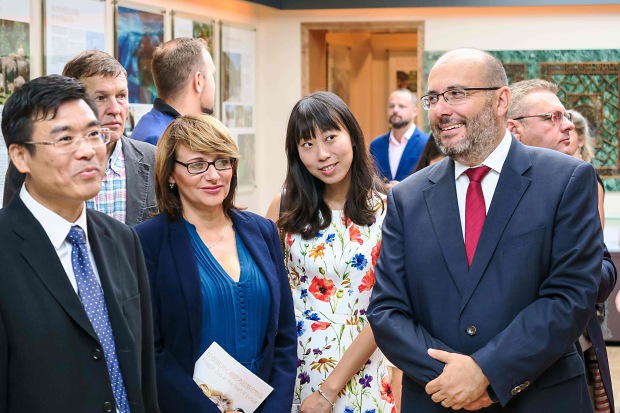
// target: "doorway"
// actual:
[[363, 62]]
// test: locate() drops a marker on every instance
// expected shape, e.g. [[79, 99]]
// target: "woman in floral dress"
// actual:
[[330, 213]]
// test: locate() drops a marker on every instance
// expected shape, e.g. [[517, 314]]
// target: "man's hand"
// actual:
[[480, 403], [462, 382]]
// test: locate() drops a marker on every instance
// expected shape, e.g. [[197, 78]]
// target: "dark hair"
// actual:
[[430, 152], [93, 63], [38, 100], [304, 209], [200, 133], [174, 62]]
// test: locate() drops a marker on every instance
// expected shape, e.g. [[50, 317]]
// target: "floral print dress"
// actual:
[[332, 276]]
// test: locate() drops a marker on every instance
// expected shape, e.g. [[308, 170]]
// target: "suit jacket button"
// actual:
[[97, 354], [108, 407], [471, 330]]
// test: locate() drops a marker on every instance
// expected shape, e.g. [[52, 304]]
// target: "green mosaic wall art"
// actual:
[[588, 82]]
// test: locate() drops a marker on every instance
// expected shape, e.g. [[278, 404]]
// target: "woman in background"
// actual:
[[331, 216], [581, 148], [216, 273], [430, 155]]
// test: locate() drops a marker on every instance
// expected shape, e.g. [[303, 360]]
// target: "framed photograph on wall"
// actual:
[[15, 56], [71, 26], [402, 70], [238, 90], [138, 33]]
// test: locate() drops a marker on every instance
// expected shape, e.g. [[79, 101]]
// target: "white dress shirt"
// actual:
[[57, 228], [495, 161]]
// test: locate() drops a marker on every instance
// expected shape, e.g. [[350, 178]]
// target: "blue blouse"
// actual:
[[234, 314]]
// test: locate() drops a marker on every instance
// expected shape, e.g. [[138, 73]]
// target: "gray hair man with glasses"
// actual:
[[128, 191], [76, 331], [537, 118], [490, 259]]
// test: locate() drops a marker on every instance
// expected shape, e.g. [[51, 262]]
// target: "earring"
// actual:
[[171, 184]]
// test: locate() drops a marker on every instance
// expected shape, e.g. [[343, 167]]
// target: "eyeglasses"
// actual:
[[69, 143], [454, 96], [555, 117], [195, 168]]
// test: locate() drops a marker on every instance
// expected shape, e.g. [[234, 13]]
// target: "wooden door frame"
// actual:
[[308, 29]]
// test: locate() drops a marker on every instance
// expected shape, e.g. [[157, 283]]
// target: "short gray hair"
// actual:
[[520, 89]]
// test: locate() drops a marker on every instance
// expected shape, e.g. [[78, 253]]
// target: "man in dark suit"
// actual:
[[128, 192], [396, 153], [75, 317], [486, 280], [536, 117]]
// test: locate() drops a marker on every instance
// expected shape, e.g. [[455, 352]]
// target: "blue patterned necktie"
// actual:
[[91, 295]]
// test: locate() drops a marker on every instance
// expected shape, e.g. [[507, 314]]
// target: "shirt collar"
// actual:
[[56, 227], [406, 136], [495, 160], [163, 107]]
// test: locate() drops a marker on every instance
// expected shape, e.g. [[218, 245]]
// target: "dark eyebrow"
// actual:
[[64, 128]]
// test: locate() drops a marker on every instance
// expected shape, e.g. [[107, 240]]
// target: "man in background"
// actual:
[[396, 153], [537, 118], [184, 76], [76, 331], [127, 192]]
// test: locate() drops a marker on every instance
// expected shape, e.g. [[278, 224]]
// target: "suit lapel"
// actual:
[[384, 156], [112, 277], [39, 253], [508, 193], [137, 173], [443, 209], [189, 278], [408, 153]]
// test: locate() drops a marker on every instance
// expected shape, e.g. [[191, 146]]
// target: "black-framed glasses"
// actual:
[[195, 168], [69, 143], [453, 96], [555, 117]]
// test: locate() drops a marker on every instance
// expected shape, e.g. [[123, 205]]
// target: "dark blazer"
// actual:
[[140, 170], [50, 357], [409, 160], [527, 297], [177, 312]]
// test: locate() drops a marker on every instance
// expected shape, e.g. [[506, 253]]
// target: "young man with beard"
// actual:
[[184, 76], [536, 117], [396, 153], [490, 259]]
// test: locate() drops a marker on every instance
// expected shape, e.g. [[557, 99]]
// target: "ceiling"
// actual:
[[363, 4]]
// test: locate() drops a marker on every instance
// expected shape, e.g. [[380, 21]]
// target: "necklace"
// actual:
[[219, 240]]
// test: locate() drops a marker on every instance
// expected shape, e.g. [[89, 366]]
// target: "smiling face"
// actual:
[[202, 191], [541, 132], [62, 181], [111, 95], [468, 131], [328, 156]]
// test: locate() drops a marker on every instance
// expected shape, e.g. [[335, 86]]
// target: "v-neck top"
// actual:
[[234, 314]]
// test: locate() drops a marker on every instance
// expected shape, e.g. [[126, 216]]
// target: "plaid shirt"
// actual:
[[112, 199]]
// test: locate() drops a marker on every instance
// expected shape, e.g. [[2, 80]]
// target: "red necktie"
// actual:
[[475, 210]]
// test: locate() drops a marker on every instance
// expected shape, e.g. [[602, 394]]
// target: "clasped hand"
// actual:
[[461, 385]]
